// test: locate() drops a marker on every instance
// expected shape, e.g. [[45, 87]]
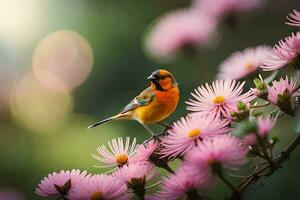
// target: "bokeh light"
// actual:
[[62, 60], [38, 107], [19, 20], [10, 194]]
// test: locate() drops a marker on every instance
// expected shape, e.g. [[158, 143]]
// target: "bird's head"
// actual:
[[162, 80]]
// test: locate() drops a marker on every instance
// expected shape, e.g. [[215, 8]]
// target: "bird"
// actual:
[[152, 105]]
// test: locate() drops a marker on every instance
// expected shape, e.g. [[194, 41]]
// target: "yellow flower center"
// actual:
[[96, 196], [219, 100], [249, 67], [122, 159], [194, 133]]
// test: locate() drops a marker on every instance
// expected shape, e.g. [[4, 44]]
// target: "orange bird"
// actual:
[[152, 105]]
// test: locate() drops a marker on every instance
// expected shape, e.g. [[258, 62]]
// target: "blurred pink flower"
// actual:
[[285, 52], [120, 154], [144, 151], [99, 187], [264, 125], [283, 87], [187, 132], [10, 194], [182, 183], [293, 18], [243, 63], [140, 171], [225, 150], [219, 99], [224, 8], [59, 184], [178, 29]]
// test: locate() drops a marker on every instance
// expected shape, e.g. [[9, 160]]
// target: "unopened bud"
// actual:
[[261, 88], [241, 113]]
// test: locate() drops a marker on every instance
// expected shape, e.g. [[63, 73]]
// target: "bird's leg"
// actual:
[[153, 136], [149, 130], [164, 124]]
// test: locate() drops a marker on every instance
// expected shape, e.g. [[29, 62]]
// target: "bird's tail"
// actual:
[[116, 117]]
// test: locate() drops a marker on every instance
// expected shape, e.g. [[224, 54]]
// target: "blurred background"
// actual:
[[66, 64]]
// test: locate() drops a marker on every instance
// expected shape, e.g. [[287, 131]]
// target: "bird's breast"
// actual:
[[163, 104]]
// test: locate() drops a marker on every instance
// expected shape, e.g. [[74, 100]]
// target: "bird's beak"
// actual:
[[151, 77]]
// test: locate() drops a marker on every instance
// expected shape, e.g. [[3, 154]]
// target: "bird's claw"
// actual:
[[167, 129]]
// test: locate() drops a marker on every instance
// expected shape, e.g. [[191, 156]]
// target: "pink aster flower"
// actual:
[[281, 90], [219, 99], [144, 151], [264, 126], [136, 176], [225, 151], [59, 184], [188, 132], [293, 18], [183, 183], [243, 63], [99, 187], [224, 8], [287, 51], [177, 30], [120, 154]]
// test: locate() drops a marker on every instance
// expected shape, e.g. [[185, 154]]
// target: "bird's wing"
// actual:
[[142, 99]]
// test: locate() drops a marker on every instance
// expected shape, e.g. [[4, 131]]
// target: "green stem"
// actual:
[[168, 168], [193, 195], [236, 192], [265, 152]]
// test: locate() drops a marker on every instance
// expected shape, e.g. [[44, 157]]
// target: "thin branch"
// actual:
[[283, 156]]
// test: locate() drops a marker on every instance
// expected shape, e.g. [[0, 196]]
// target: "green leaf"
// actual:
[[244, 128]]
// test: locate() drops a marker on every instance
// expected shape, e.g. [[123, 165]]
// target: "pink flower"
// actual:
[[188, 132], [224, 8], [177, 30], [59, 184], [120, 154], [11, 194], [99, 187], [220, 99], [243, 63], [293, 18], [144, 151], [136, 176], [287, 51], [264, 125], [283, 89], [182, 183], [225, 151]]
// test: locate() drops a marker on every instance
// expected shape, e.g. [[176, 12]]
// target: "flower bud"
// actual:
[[241, 113], [261, 88]]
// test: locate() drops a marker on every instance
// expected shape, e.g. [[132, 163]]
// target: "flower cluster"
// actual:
[[192, 28], [220, 134]]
